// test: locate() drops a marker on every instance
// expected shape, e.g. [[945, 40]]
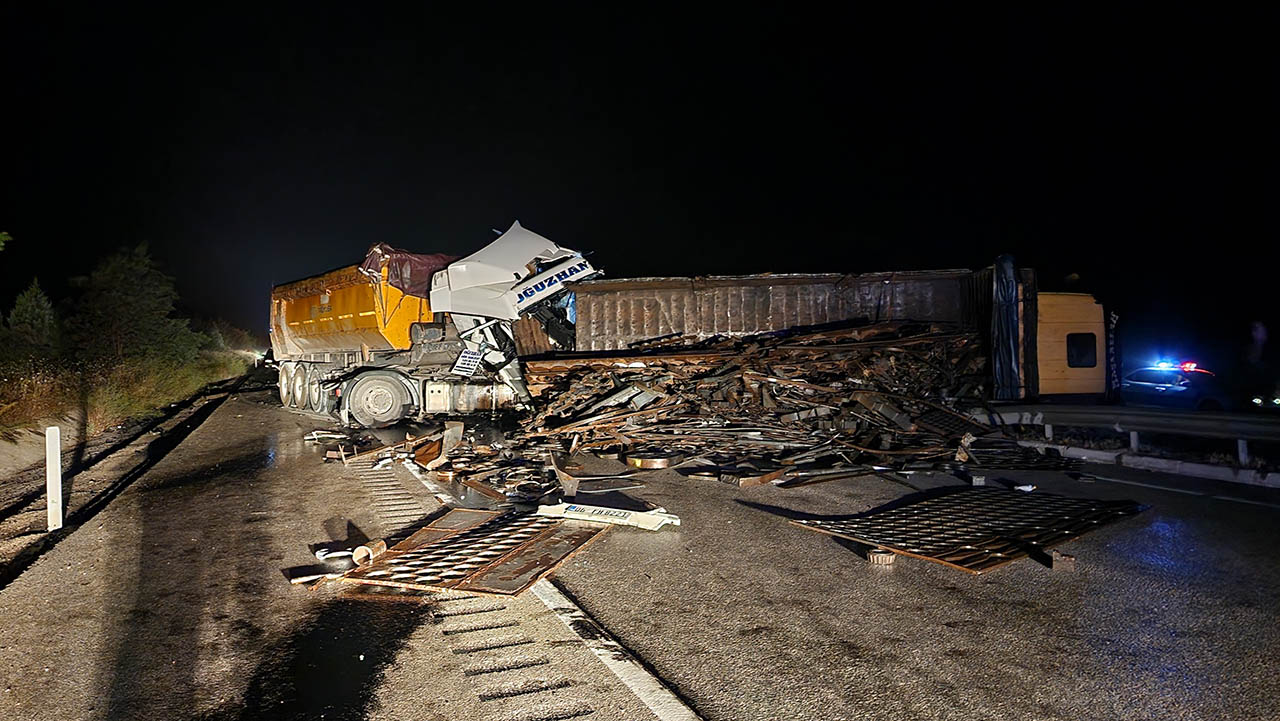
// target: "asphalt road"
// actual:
[[1171, 614], [171, 603]]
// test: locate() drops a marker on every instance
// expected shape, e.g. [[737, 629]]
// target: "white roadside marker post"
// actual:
[[53, 474]]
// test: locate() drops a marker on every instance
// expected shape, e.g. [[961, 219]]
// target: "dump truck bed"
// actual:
[[342, 311]]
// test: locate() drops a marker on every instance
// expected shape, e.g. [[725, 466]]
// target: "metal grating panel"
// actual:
[[947, 423], [500, 553], [977, 529], [994, 453]]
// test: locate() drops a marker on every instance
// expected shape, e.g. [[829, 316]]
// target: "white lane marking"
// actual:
[[661, 701], [1148, 485], [442, 496], [1243, 500], [1190, 493]]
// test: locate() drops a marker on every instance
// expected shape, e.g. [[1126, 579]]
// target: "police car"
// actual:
[[1184, 385]]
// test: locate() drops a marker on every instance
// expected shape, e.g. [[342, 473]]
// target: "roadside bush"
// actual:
[[137, 388], [109, 394], [125, 311], [125, 354], [213, 339], [34, 389], [33, 326], [238, 338]]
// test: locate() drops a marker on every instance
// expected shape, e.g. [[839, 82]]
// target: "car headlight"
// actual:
[[1257, 401], [1275, 401]]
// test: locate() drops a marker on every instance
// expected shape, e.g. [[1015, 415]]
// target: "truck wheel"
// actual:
[[300, 395], [315, 391], [286, 384], [377, 400]]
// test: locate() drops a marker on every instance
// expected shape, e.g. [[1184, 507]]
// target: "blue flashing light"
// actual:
[[1164, 364]]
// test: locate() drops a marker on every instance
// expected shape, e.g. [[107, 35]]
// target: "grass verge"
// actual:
[[33, 391]]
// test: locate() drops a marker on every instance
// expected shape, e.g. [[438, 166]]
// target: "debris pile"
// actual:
[[763, 409], [791, 408]]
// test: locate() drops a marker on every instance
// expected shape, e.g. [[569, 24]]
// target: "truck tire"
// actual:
[[286, 384], [377, 399], [301, 399], [315, 391]]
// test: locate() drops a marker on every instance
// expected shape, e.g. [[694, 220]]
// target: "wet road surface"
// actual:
[[1170, 614], [172, 603]]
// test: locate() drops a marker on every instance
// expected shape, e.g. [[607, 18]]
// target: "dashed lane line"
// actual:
[[1185, 492]]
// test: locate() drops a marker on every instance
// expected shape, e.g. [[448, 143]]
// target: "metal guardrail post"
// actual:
[[1227, 426], [1133, 441], [1242, 451], [1048, 431]]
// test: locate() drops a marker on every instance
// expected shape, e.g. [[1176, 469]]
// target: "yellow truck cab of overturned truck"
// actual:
[[1071, 344]]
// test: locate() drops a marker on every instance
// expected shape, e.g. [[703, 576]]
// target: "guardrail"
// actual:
[[1242, 427]]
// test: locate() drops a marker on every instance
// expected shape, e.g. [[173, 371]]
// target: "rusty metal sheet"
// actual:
[[530, 337], [522, 567], [976, 529], [465, 544], [459, 519], [615, 313], [606, 362]]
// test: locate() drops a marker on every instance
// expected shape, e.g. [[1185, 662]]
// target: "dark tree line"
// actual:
[[124, 310]]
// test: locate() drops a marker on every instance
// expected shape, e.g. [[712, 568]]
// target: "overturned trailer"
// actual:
[[1000, 303]]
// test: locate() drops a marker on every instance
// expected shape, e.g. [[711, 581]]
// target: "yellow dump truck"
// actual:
[[405, 335]]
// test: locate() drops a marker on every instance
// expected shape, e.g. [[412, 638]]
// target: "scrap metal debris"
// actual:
[[323, 436], [790, 408], [976, 529], [880, 557], [477, 550], [363, 555], [570, 484], [751, 411], [649, 520]]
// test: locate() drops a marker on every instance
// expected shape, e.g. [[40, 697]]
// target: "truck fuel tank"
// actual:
[[451, 397]]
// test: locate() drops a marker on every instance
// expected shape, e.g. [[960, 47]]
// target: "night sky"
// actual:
[[255, 146]]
